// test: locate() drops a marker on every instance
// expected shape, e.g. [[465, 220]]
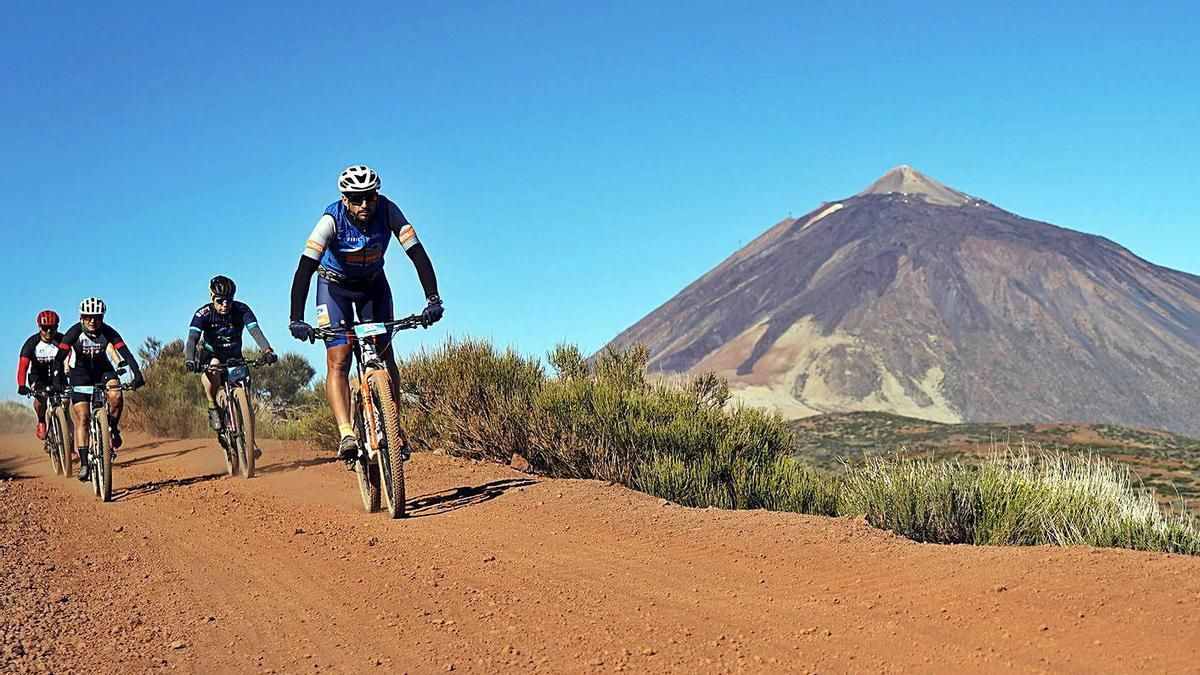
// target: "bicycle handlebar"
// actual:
[[230, 363], [411, 321]]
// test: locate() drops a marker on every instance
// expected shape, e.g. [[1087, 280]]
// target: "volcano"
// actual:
[[914, 298]]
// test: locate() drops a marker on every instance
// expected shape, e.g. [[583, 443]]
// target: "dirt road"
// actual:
[[191, 571]]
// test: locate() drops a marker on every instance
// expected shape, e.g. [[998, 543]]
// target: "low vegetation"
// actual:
[[1166, 462], [172, 404], [15, 418], [687, 442]]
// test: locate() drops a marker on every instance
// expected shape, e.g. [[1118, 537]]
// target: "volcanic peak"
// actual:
[[909, 181]]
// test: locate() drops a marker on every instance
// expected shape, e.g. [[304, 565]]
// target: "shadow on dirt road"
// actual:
[[293, 465], [460, 497], [150, 487]]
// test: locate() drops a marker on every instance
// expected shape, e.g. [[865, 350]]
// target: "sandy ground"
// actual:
[[192, 571]]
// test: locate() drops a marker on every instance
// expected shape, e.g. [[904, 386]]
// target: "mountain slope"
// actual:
[[932, 303]]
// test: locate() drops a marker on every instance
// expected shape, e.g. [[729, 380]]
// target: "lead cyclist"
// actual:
[[346, 251]]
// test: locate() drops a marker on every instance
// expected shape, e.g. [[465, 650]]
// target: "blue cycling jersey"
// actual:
[[353, 251]]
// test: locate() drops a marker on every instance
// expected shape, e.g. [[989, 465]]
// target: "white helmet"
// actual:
[[360, 178], [92, 306]]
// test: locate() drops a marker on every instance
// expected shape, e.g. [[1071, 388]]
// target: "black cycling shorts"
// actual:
[[82, 376]]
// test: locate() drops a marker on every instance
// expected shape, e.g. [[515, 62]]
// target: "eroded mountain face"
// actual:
[[914, 298]]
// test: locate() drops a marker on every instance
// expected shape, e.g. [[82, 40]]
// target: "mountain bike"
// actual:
[[57, 442], [237, 434], [383, 448], [100, 449]]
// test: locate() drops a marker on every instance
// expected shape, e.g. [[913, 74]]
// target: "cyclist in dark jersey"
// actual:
[[346, 250], [37, 360], [219, 324], [87, 345]]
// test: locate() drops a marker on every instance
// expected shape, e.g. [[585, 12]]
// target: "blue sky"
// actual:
[[568, 167]]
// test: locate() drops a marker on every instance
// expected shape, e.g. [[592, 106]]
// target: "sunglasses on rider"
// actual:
[[48, 329], [222, 299], [360, 198]]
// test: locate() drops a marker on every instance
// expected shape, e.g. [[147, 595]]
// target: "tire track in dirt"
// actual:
[[499, 570]]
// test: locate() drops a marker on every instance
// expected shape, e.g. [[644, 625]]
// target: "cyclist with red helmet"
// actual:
[[36, 363], [87, 344]]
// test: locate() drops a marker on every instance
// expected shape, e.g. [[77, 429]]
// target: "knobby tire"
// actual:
[[367, 472], [53, 441], [64, 449], [227, 441], [243, 417], [391, 464], [103, 445]]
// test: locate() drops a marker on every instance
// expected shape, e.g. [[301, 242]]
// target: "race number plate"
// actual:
[[368, 329]]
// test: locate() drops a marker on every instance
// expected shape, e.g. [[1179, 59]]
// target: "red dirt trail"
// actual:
[[188, 570]]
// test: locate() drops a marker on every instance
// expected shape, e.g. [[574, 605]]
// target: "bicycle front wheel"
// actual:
[[53, 441], [102, 476], [366, 471], [391, 462], [66, 441], [242, 416]]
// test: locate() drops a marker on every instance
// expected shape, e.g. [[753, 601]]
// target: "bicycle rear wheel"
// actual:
[[391, 463], [102, 477], [366, 471], [242, 416]]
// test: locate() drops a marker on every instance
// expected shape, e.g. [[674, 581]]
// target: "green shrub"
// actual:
[[685, 442], [172, 404], [469, 399]]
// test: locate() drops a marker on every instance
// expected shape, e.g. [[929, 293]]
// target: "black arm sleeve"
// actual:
[[27, 349], [420, 260], [300, 282], [64, 347], [189, 349], [127, 357], [114, 338]]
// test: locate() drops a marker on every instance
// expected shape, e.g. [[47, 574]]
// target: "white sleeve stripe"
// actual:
[[324, 232]]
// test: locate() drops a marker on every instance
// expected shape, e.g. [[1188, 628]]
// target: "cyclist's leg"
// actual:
[[39, 399], [116, 403], [112, 393], [211, 381], [334, 309], [80, 408]]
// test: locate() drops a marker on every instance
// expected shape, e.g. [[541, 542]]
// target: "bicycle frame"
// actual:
[[367, 361], [55, 442], [234, 374], [99, 440], [373, 414]]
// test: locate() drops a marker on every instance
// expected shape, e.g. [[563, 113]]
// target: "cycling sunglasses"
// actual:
[[222, 299], [360, 198]]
